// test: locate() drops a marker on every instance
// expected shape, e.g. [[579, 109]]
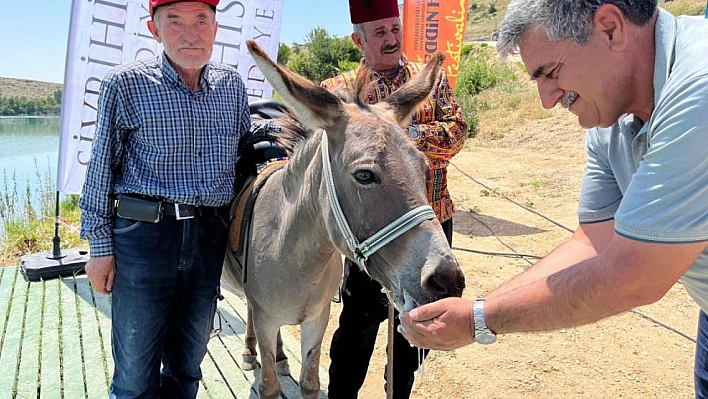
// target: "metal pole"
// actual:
[[56, 241], [706, 8], [389, 368]]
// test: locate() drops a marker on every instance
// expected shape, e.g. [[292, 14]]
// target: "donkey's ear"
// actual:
[[404, 100], [315, 106]]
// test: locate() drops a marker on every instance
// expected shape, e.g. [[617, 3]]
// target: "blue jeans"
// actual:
[[700, 368], [163, 303]]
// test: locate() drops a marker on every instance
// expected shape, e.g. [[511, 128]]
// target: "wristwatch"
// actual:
[[413, 132], [482, 334]]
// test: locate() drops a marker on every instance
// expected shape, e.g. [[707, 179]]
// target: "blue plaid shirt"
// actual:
[[156, 137]]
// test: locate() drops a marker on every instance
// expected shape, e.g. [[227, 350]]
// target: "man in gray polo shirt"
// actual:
[[637, 78]]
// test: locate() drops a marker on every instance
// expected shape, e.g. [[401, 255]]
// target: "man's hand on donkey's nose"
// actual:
[[445, 324]]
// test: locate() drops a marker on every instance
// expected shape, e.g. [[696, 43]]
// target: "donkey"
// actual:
[[356, 176]]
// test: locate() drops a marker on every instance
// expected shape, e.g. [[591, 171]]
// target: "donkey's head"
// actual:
[[378, 176]]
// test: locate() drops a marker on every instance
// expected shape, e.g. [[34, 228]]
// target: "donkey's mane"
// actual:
[[291, 133]]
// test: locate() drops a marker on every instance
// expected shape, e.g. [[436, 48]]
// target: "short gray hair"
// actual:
[[359, 29], [563, 19]]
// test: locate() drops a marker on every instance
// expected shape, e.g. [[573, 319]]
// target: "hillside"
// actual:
[[483, 18], [30, 89]]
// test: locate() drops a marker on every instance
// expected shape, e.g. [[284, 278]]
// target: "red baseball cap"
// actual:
[[155, 3], [362, 11]]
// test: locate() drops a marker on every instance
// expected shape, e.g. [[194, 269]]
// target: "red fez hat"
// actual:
[[371, 10], [155, 3]]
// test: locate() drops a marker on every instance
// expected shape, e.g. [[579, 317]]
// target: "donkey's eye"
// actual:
[[364, 176]]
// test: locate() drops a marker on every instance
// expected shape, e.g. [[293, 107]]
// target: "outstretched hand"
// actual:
[[445, 324]]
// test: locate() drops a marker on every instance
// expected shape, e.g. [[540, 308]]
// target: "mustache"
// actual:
[[568, 98], [387, 47]]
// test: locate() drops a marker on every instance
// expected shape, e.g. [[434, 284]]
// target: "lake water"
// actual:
[[28, 146]]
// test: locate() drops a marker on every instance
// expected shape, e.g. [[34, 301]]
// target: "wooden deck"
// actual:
[[55, 342]]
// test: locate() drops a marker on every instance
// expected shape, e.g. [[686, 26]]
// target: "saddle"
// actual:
[[259, 159], [242, 207]]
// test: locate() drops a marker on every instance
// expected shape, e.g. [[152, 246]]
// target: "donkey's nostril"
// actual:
[[436, 285], [442, 284]]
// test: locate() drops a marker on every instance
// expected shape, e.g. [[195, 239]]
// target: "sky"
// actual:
[[33, 44]]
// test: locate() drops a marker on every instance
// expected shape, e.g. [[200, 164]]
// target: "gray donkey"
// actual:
[[356, 177]]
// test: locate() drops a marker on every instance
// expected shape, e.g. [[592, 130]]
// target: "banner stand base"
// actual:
[[46, 265]]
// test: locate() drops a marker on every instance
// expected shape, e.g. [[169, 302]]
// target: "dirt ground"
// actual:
[[647, 353]]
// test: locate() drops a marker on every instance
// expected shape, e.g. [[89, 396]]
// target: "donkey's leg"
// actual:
[[250, 354], [312, 333], [267, 334], [281, 360]]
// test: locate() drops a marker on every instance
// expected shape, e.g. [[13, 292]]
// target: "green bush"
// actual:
[[324, 56], [465, 50], [16, 106], [481, 70], [470, 112]]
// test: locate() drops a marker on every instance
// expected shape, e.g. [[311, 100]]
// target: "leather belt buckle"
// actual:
[[179, 216]]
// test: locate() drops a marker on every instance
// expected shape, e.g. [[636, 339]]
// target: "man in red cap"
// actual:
[[155, 201], [439, 131], [156, 3]]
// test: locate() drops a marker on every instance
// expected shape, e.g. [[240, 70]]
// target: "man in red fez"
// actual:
[[164, 151], [439, 131]]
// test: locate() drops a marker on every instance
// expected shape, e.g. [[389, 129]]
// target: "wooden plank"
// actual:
[[226, 349], [103, 308], [235, 313], [72, 366], [56, 343], [12, 336], [234, 304], [28, 378], [92, 348], [7, 284], [211, 385], [291, 346], [50, 374]]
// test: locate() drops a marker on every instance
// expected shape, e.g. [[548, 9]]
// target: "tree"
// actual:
[[284, 54], [16, 106], [324, 56], [57, 96]]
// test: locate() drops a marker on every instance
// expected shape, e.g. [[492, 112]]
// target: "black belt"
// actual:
[[184, 211], [152, 209]]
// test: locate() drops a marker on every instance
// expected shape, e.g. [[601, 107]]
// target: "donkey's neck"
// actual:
[[303, 201]]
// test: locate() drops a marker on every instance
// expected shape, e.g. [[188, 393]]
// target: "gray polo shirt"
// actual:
[[652, 177]]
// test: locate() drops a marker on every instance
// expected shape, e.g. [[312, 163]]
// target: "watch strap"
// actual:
[[482, 334]]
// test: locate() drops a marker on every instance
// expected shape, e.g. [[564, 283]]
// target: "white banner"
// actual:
[[106, 33]]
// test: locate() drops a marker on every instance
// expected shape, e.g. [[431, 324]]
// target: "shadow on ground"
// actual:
[[477, 225]]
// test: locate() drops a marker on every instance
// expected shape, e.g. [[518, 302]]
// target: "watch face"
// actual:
[[485, 338], [413, 132]]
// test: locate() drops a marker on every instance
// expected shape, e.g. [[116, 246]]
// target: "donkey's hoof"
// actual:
[[282, 367], [249, 362]]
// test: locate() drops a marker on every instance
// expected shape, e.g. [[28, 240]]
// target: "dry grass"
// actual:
[[483, 18], [482, 22], [685, 7], [29, 89]]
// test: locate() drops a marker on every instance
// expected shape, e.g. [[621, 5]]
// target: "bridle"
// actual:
[[362, 251]]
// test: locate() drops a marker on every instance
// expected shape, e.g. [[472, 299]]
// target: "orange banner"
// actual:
[[431, 26]]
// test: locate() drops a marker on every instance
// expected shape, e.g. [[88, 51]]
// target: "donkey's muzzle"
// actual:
[[444, 281]]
